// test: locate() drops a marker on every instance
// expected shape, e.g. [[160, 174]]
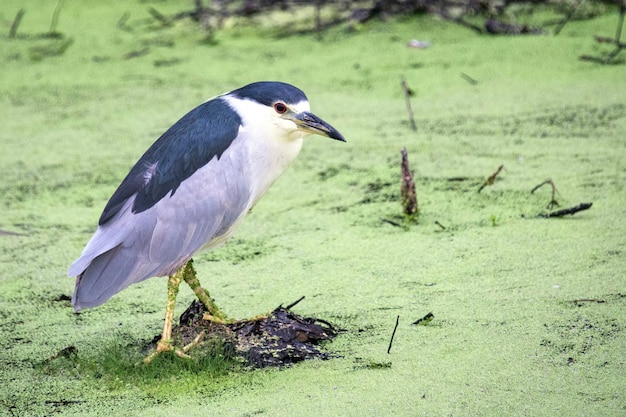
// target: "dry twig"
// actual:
[[424, 320], [391, 222], [492, 178], [393, 334], [553, 201], [16, 23], [292, 305], [468, 79]]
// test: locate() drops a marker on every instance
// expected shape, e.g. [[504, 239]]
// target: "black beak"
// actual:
[[312, 124]]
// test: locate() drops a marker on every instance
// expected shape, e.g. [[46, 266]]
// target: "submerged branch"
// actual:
[[568, 211]]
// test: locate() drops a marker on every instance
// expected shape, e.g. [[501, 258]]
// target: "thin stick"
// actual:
[[407, 99], [391, 222], [620, 24], [393, 334], [468, 79], [553, 201], [318, 20], [290, 306], [163, 20], [618, 33], [491, 179], [8, 233], [55, 16], [588, 300], [606, 39], [16, 23]]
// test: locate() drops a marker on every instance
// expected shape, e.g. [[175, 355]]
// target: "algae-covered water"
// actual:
[[528, 312]]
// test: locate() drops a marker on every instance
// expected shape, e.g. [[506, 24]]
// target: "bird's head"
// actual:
[[281, 109]]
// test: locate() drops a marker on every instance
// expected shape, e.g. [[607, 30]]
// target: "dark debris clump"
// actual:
[[279, 339]]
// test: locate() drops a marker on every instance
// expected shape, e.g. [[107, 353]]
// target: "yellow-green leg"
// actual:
[[188, 274], [214, 313], [165, 344]]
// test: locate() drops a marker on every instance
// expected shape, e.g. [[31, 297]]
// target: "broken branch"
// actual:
[[426, 319], [568, 211], [553, 201], [492, 178], [407, 189]]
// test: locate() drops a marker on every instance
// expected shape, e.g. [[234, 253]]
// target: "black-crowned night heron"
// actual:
[[190, 191]]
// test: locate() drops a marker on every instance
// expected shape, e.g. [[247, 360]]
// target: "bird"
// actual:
[[190, 190]]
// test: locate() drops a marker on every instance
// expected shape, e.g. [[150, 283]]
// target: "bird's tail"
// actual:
[[105, 275]]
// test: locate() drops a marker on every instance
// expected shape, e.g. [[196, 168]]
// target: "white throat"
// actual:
[[271, 143]]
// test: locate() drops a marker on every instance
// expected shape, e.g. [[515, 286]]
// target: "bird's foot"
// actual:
[[216, 319], [165, 346], [222, 320], [168, 346], [254, 318]]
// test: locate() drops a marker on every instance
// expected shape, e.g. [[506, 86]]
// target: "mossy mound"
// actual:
[[279, 339]]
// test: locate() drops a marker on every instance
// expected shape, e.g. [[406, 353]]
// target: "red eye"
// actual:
[[280, 107]]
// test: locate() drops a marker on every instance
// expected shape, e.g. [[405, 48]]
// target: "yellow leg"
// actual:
[[165, 343], [188, 274], [214, 314]]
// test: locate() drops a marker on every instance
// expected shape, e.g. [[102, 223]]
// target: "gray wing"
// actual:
[[133, 246]]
